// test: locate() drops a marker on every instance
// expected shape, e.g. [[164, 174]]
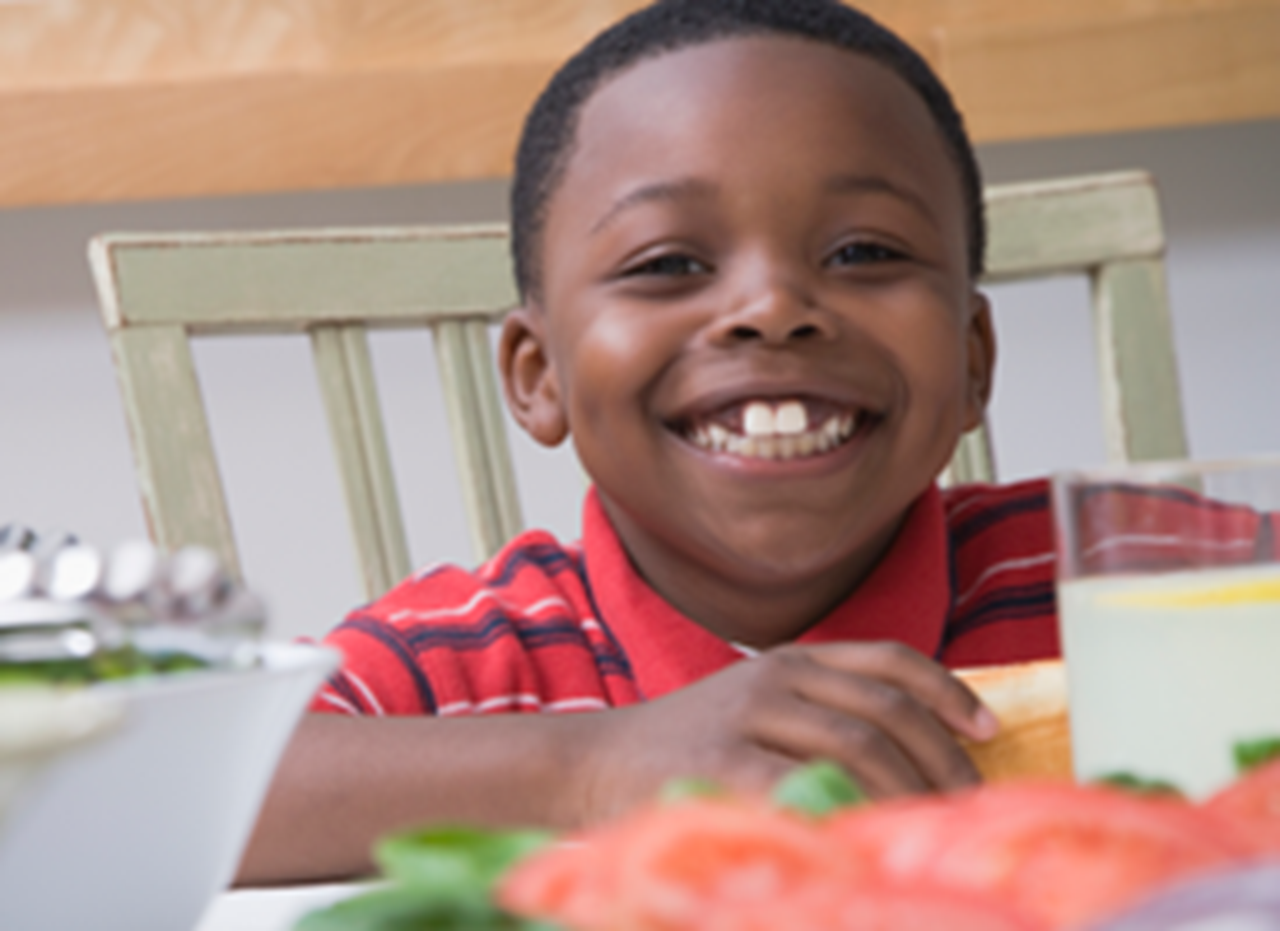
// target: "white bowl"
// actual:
[[142, 829], [37, 724]]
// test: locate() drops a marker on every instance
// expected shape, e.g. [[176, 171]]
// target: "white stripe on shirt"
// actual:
[[1009, 565]]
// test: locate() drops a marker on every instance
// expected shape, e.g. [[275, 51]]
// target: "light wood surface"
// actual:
[[120, 99]]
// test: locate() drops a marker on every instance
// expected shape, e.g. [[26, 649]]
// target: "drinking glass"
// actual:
[[1169, 606]]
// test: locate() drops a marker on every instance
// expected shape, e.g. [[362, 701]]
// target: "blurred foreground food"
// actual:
[[1015, 856]]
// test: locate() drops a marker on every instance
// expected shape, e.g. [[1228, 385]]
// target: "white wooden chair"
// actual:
[[1109, 228], [158, 290]]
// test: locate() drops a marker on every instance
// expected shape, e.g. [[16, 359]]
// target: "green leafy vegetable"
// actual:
[[443, 878], [455, 860], [1251, 753], [125, 662], [1140, 785], [407, 908], [818, 789]]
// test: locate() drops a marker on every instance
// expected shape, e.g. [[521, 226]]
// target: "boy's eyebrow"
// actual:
[[680, 189], [859, 184], [684, 188]]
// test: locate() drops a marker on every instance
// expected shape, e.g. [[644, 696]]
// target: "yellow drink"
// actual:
[[1167, 671]]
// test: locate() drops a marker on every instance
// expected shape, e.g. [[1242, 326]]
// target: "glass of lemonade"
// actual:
[[1169, 606]]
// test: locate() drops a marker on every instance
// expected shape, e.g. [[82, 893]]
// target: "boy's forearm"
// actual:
[[343, 782]]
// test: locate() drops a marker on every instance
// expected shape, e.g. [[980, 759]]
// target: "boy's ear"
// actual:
[[529, 380], [981, 341]]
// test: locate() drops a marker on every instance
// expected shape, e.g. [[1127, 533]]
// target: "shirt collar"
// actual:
[[905, 598]]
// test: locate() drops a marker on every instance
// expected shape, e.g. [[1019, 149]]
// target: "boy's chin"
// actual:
[[802, 556]]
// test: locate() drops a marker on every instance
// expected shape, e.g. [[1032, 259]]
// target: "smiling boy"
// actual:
[[747, 235]]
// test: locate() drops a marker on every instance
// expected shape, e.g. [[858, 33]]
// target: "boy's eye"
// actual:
[[670, 265], [865, 253]]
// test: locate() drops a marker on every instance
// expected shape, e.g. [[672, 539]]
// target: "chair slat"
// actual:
[[1071, 225], [173, 449], [345, 373], [1141, 397], [497, 451], [466, 425], [273, 282]]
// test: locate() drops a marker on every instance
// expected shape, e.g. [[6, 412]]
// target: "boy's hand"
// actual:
[[883, 711]]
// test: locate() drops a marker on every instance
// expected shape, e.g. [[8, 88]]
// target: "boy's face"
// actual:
[[756, 317]]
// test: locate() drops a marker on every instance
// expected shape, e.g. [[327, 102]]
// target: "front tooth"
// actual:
[[790, 418], [806, 443], [758, 419], [788, 446]]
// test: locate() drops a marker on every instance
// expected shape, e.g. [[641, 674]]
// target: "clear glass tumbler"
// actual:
[[1169, 606]]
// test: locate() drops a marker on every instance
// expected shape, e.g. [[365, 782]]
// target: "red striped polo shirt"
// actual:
[[542, 626]]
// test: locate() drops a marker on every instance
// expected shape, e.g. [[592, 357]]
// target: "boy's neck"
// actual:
[[758, 613]]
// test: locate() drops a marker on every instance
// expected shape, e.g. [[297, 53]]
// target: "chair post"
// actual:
[[973, 460], [1141, 398], [178, 476]]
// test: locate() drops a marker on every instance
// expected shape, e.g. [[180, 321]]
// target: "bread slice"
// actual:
[[1030, 699]]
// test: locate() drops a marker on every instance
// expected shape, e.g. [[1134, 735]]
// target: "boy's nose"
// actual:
[[774, 313]]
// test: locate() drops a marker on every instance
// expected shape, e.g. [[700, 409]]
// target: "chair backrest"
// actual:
[[156, 291], [1107, 227]]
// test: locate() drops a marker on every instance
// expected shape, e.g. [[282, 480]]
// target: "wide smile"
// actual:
[[774, 429]]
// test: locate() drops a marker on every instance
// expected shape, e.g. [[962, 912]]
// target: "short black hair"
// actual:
[[547, 140]]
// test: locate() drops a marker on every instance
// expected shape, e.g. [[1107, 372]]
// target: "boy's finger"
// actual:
[[954, 703], [898, 717], [804, 730]]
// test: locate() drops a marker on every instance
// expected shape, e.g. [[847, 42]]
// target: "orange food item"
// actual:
[[1006, 857], [1058, 853], [1250, 807], [723, 866], [677, 866]]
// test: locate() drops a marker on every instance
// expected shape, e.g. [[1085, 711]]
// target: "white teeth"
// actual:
[[758, 419], [775, 433], [790, 418], [762, 419]]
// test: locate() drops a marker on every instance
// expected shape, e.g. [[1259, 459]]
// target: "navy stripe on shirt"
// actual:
[[389, 637], [481, 632], [969, 526]]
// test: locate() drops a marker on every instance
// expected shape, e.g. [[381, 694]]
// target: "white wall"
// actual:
[[65, 462]]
